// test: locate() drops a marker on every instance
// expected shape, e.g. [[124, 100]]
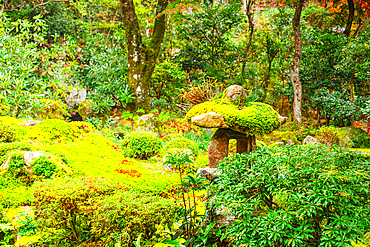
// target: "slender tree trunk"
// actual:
[[141, 59], [294, 72], [352, 99], [351, 14]]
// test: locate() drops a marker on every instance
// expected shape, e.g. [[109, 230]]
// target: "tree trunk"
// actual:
[[351, 14], [141, 59], [294, 72], [247, 9], [352, 99]]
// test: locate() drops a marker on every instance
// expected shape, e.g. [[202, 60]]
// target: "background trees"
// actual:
[[113, 49]]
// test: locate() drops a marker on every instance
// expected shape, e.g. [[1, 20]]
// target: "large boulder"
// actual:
[[145, 123], [76, 97]]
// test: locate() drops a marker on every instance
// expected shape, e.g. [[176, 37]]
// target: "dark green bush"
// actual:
[[331, 135], [7, 132], [44, 167], [295, 196], [141, 145], [359, 138], [182, 143]]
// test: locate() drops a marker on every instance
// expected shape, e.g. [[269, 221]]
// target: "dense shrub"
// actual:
[[44, 167], [141, 145], [182, 143], [73, 211], [331, 135], [128, 214], [7, 132], [53, 130], [295, 196], [4, 107]]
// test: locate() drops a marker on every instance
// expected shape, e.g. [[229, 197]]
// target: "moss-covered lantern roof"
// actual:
[[251, 118]]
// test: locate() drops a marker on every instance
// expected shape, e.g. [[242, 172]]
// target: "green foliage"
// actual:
[[16, 167], [253, 118], [82, 127], [103, 72], [295, 195], [53, 130], [130, 214], [7, 132], [209, 47], [15, 195], [182, 143], [279, 136], [51, 109], [44, 167], [6, 148], [141, 145], [359, 138], [331, 135], [166, 80], [4, 107]]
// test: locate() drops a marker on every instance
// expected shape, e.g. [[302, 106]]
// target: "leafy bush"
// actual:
[[295, 195], [141, 145], [182, 143], [7, 132], [6, 148], [331, 135], [51, 109], [53, 130], [129, 214], [16, 167], [4, 107]]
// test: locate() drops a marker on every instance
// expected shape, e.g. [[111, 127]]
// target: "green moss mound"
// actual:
[[182, 143], [257, 118], [141, 145], [54, 130]]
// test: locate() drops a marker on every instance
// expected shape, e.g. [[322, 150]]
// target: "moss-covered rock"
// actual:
[[251, 118]]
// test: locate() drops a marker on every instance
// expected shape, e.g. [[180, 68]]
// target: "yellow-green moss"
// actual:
[[258, 118]]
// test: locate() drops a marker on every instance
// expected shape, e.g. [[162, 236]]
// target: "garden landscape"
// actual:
[[186, 123]]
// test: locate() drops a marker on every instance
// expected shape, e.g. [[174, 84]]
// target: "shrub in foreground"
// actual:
[[77, 211], [141, 145], [295, 196]]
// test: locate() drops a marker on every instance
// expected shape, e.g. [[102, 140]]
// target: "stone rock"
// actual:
[[279, 144], [30, 123], [76, 97], [309, 140], [290, 142], [209, 120], [208, 173], [236, 94], [145, 123], [282, 119], [222, 217]]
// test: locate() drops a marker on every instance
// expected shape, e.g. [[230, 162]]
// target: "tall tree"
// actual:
[[141, 58], [294, 72]]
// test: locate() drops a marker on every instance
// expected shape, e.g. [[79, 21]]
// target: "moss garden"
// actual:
[[92, 184]]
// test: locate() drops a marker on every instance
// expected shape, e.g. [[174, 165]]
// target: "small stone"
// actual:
[[282, 119], [310, 140], [208, 173], [209, 120], [30, 123]]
